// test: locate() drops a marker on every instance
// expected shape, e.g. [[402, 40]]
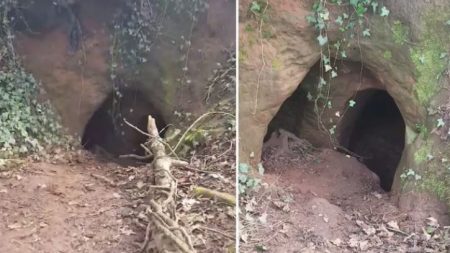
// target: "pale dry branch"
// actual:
[[163, 233], [223, 196]]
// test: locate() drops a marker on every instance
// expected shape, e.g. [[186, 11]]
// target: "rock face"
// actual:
[[77, 84], [273, 67]]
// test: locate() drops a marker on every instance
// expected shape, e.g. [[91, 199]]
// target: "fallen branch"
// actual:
[[225, 197], [104, 179], [218, 232], [163, 234]]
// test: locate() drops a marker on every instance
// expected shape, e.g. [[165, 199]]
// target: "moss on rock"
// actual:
[[427, 56], [400, 32]]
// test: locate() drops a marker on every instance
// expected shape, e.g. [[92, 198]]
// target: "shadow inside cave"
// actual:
[[107, 133]]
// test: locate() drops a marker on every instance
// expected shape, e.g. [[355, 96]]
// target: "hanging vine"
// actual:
[[352, 23], [137, 26]]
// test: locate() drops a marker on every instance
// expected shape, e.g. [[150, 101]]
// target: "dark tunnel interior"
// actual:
[[376, 133], [374, 130], [107, 131]]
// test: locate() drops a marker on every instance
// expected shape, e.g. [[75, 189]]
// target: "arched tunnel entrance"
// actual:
[[107, 131], [376, 133], [373, 130]]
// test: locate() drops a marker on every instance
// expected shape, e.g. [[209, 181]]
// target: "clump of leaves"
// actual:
[[26, 124], [258, 10], [248, 182]]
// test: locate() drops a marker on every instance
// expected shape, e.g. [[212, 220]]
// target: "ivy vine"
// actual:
[[352, 23], [137, 26], [27, 125]]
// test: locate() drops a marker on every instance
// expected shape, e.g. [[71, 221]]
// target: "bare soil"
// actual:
[[82, 203], [326, 201], [62, 208]]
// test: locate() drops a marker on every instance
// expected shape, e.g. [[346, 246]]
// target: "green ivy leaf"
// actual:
[[440, 122], [327, 68], [325, 59], [243, 178], [243, 168], [339, 20], [448, 22], [366, 33], [443, 55], [322, 81], [255, 7], [325, 15], [422, 59], [260, 169], [384, 12], [343, 54], [333, 74], [354, 2], [374, 6], [351, 103], [361, 10], [311, 20], [322, 40], [332, 130]]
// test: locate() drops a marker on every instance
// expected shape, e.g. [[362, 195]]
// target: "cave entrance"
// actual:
[[107, 134], [373, 130], [376, 133]]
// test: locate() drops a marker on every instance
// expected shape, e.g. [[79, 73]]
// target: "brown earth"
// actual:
[[84, 203], [62, 208], [327, 201]]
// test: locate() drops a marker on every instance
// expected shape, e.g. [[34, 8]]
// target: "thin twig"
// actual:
[[104, 179], [194, 123], [218, 232]]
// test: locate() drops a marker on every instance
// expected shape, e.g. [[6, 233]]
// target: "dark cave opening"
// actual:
[[376, 133], [373, 130], [107, 133]]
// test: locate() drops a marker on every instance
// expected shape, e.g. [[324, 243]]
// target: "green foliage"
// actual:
[[422, 154], [353, 25], [400, 32], [387, 55], [430, 56], [26, 125], [422, 130], [246, 181], [410, 174], [138, 25], [429, 67], [259, 11], [258, 8], [136, 28], [437, 186]]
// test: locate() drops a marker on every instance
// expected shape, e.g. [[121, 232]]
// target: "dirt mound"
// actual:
[[332, 203], [330, 174]]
